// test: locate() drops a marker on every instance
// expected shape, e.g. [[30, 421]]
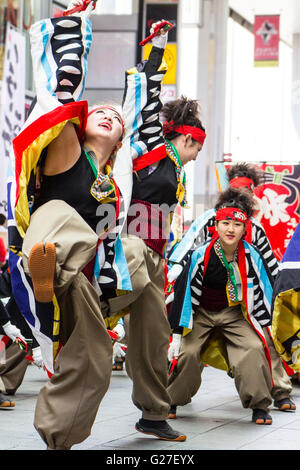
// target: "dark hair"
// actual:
[[245, 169], [2, 219], [236, 197], [182, 111]]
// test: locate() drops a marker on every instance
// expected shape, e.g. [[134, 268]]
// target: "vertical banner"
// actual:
[[266, 31], [278, 203], [12, 102], [277, 198]]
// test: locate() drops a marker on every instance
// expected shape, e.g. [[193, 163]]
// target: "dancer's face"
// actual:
[[105, 123], [230, 232], [187, 148]]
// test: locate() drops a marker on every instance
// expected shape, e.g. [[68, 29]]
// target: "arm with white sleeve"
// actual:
[[141, 102], [7, 328]]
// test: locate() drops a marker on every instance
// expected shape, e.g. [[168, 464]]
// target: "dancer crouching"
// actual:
[[214, 299]]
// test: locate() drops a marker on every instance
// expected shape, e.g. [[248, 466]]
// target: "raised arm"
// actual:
[[59, 48], [141, 103]]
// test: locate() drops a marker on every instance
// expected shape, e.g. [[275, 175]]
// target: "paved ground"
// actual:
[[215, 420]]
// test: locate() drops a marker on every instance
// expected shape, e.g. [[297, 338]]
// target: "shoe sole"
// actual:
[[42, 260], [263, 421], [181, 438], [7, 404], [287, 407]]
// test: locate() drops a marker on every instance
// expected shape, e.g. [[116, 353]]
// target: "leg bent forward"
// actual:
[[68, 404]]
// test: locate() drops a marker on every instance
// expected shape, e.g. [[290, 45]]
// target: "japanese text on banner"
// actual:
[[12, 102]]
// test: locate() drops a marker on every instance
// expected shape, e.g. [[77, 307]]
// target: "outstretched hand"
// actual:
[[161, 39], [87, 5], [13, 332]]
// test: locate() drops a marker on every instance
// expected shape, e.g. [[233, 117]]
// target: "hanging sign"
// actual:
[[266, 31], [12, 114]]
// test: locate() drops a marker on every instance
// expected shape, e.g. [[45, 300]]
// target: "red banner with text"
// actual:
[[266, 31]]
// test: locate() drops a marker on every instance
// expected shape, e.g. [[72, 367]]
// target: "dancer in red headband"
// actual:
[[245, 176], [64, 204], [222, 302], [159, 154]]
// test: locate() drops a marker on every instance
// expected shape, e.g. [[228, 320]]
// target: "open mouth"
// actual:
[[106, 125]]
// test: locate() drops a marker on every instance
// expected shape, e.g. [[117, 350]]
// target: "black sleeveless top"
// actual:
[[214, 297], [72, 186], [216, 274], [158, 187]]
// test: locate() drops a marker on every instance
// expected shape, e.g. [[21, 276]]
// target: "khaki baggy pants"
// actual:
[[149, 329], [245, 353], [67, 405], [13, 370]]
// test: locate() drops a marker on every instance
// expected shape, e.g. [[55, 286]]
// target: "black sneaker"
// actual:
[[172, 412], [285, 404], [261, 416], [6, 403], [160, 429]]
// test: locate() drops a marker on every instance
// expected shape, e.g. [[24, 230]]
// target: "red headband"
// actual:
[[112, 109], [231, 213], [241, 182], [197, 134]]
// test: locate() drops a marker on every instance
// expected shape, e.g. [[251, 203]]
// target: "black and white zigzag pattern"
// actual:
[[59, 49], [196, 283], [260, 240], [142, 120], [108, 278], [151, 129], [67, 51]]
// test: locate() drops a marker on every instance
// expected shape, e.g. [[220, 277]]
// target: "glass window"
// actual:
[[115, 7], [112, 53]]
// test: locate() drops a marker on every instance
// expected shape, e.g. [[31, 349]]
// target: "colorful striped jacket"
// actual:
[[59, 49], [257, 288]]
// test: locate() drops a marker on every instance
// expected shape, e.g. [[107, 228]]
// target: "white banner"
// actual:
[[12, 113]]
